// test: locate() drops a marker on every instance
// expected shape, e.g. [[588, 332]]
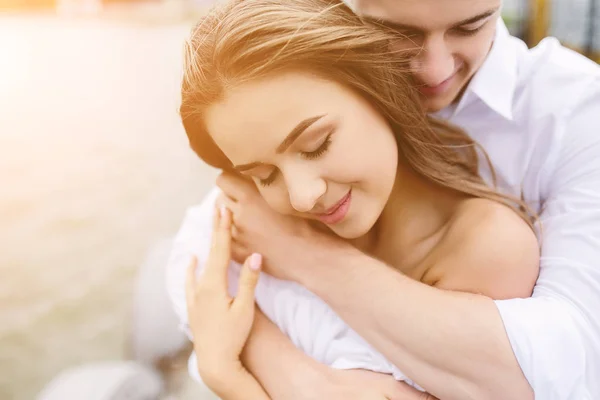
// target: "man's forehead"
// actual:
[[428, 14]]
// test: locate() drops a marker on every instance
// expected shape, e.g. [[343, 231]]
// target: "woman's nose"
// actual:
[[305, 191]]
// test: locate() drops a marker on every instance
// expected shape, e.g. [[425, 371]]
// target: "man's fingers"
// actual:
[[239, 253], [224, 200], [220, 251], [190, 280], [248, 281], [234, 186], [235, 233]]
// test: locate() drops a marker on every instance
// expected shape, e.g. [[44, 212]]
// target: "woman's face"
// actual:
[[314, 148]]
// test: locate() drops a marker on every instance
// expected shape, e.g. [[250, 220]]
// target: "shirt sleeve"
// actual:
[[555, 334]]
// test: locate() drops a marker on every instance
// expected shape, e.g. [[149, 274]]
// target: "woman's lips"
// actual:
[[338, 212]]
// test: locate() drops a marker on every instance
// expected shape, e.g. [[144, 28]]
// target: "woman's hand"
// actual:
[[220, 325]]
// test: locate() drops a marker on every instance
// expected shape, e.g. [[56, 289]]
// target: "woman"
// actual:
[[314, 107]]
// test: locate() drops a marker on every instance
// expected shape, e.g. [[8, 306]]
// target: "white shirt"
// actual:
[[536, 113]]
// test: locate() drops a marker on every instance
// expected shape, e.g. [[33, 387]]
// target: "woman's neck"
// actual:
[[412, 222]]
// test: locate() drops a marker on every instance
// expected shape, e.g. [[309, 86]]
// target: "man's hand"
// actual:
[[259, 229]]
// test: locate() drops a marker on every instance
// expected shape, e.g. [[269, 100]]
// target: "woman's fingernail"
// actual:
[[223, 211], [255, 261]]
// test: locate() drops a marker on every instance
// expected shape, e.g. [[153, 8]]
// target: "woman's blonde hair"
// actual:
[[244, 40]]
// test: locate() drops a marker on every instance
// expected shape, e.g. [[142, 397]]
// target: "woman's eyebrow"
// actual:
[[287, 142], [296, 132]]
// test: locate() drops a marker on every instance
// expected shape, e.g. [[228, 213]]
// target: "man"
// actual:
[[534, 111]]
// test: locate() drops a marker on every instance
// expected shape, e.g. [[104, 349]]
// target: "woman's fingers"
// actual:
[[248, 281], [220, 251], [225, 201], [190, 280]]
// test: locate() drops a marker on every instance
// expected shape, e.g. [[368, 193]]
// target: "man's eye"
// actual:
[[467, 30]]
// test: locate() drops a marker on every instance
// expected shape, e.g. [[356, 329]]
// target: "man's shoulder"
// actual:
[[563, 57], [555, 78]]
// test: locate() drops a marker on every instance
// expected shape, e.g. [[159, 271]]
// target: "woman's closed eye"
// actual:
[[309, 155], [270, 179], [319, 151]]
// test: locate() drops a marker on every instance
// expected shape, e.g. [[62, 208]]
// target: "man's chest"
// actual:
[[521, 152]]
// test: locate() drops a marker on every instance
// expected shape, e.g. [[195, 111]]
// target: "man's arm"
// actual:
[[452, 344], [556, 335], [463, 346], [279, 366]]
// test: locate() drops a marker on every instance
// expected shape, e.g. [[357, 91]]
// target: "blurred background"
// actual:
[[95, 177]]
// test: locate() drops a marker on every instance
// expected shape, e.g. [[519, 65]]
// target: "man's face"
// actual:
[[453, 36]]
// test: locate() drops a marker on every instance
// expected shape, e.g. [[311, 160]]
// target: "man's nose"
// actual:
[[434, 63]]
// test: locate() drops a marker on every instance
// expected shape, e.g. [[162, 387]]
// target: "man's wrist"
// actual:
[[318, 259]]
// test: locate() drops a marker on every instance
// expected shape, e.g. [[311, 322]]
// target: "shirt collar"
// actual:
[[496, 80]]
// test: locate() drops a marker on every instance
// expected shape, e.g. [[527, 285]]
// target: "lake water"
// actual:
[[94, 170]]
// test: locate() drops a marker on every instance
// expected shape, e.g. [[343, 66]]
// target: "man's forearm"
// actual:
[[277, 364], [453, 344]]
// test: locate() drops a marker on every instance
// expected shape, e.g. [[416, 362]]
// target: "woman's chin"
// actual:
[[351, 229]]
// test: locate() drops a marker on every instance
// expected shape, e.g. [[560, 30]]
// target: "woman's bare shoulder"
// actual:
[[488, 249], [477, 214]]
